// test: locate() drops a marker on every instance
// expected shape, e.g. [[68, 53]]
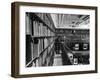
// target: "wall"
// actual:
[[5, 40]]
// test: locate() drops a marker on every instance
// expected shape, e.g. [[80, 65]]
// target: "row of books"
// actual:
[[39, 29], [42, 44], [42, 48], [46, 18], [28, 24], [36, 27], [45, 58], [39, 25]]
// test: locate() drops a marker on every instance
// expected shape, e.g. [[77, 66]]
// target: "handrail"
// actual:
[[68, 48], [41, 53], [67, 54], [32, 61]]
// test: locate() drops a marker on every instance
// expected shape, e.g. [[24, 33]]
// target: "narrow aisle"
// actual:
[[61, 58], [65, 58], [57, 60]]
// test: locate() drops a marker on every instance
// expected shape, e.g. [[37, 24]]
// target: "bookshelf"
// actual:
[[40, 38]]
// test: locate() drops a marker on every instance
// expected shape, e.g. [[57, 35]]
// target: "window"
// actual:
[[85, 46], [76, 47]]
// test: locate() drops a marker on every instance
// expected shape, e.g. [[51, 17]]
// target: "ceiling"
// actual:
[[71, 20]]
